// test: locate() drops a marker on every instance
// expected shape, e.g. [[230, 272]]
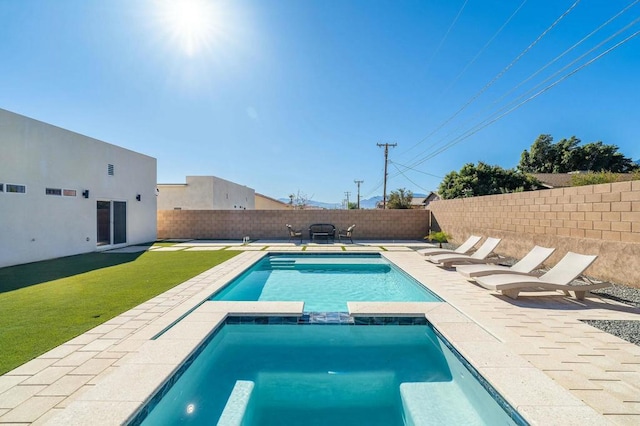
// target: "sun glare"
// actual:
[[190, 24]]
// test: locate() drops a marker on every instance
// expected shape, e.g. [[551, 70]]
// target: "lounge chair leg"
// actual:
[[512, 293], [579, 294]]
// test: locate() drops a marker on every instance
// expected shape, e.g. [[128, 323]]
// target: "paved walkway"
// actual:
[[535, 350]]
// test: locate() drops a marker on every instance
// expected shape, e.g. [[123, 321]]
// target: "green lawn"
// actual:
[[44, 304]]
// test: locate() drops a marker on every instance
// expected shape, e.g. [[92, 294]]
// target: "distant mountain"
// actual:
[[368, 203], [318, 204], [325, 205]]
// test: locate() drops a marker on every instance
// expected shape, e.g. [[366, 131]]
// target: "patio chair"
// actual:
[[346, 234], [560, 277], [464, 247], [294, 233], [524, 266], [479, 256]]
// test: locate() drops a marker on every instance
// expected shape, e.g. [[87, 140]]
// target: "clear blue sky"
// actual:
[[290, 95]]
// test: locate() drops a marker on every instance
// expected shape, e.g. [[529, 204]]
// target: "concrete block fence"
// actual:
[[270, 224], [596, 219]]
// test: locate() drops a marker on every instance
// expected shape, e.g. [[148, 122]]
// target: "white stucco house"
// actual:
[[205, 193], [62, 193]]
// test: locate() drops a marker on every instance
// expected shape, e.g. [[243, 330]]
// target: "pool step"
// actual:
[[282, 264], [236, 406], [430, 403]]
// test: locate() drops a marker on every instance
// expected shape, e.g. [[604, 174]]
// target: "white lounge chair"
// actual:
[[464, 247], [479, 256], [557, 278], [524, 266]]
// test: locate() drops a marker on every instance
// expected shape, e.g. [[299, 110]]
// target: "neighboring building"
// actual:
[[433, 196], [267, 203], [62, 193], [205, 193], [418, 202], [553, 180]]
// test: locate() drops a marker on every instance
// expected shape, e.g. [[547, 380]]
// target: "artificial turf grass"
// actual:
[[44, 304]]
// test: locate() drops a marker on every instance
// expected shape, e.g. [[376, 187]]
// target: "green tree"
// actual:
[[484, 179], [400, 199], [594, 178], [352, 206], [568, 155]]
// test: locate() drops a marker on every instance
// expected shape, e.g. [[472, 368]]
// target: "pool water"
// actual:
[[254, 374], [325, 282]]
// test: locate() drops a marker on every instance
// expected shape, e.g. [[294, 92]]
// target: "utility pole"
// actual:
[[347, 193], [386, 160], [358, 182]]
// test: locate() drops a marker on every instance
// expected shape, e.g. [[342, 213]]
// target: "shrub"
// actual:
[[439, 237]]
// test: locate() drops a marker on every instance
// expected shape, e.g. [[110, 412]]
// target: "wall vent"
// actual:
[[110, 169]]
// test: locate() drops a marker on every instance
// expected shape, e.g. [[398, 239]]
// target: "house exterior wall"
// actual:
[[205, 193], [36, 226], [224, 224], [266, 203], [595, 219]]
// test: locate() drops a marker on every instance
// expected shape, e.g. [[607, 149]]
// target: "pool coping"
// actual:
[[136, 365]]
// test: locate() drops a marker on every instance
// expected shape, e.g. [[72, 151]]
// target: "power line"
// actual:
[[554, 60], [407, 178], [395, 163], [475, 58], [501, 113], [517, 99], [501, 73], [446, 34], [441, 149], [488, 122]]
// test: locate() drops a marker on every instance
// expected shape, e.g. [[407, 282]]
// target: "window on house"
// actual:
[[110, 169], [69, 192], [1, 187], [20, 189], [53, 191]]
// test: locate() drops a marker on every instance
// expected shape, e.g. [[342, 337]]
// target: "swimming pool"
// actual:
[[254, 374], [325, 282]]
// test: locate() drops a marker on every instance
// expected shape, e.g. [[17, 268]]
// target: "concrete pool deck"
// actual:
[[535, 351]]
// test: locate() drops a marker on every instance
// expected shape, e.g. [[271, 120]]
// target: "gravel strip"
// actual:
[[621, 293], [627, 330]]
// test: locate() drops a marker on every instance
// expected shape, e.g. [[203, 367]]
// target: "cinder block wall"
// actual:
[[270, 224], [596, 219]]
